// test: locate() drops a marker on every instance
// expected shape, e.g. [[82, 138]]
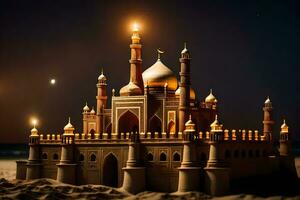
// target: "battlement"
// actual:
[[229, 135]]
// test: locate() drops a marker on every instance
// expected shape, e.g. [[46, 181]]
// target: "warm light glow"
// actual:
[[34, 121], [135, 27], [52, 81]]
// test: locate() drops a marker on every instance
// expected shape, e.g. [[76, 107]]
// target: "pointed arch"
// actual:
[[163, 156], [110, 170], [176, 156], [128, 122], [155, 124]]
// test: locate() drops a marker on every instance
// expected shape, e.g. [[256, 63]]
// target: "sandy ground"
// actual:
[[50, 189]]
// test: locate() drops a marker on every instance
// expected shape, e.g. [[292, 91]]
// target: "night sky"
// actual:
[[244, 50]]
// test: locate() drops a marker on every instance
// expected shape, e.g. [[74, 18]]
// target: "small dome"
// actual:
[[216, 126], [92, 111], [284, 127], [190, 125], [268, 101], [158, 75], [192, 93], [86, 108], [102, 77], [211, 98], [69, 126], [34, 131], [130, 89]]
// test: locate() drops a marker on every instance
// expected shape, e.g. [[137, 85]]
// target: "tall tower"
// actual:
[[66, 169], [101, 102], [285, 140], [135, 85], [268, 119], [85, 114], [34, 163], [184, 85]]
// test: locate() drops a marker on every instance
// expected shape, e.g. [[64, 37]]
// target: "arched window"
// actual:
[[236, 153], [92, 132], [176, 156], [203, 157], [257, 153], [55, 156], [163, 157], [227, 154], [250, 153], [44, 156], [150, 156], [243, 153], [81, 157], [93, 158]]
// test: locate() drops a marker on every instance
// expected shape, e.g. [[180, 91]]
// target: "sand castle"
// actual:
[[157, 136]]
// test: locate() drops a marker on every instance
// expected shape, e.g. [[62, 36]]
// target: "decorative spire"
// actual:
[[86, 108], [159, 52], [190, 125], [185, 52], [69, 127], [210, 98], [102, 77]]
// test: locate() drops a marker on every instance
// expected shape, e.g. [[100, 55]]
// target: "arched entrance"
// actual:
[[155, 124], [128, 123], [110, 171]]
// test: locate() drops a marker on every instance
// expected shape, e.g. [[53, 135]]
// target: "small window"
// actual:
[[81, 157], [250, 153], [93, 157], [44, 156], [257, 153], [55, 156], [227, 154], [243, 153], [176, 156], [150, 157], [163, 157], [236, 153]]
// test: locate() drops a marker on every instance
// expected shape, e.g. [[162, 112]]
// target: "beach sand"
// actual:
[[51, 189]]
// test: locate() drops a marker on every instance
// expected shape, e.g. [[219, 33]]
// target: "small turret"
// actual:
[[268, 120], [189, 171], [101, 102], [67, 167], [134, 173], [34, 162], [217, 179], [85, 116], [285, 140], [211, 101]]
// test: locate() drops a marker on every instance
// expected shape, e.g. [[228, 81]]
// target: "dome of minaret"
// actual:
[[268, 101], [210, 98], [92, 111], [69, 126], [158, 75], [86, 108], [102, 77], [284, 127]]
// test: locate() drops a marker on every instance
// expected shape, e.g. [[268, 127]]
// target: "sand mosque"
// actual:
[[157, 136]]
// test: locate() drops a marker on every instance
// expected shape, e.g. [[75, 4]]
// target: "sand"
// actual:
[[51, 189]]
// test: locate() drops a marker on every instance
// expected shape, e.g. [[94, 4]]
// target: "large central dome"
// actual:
[[158, 75]]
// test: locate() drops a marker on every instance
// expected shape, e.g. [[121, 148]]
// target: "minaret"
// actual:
[[66, 169], [101, 102], [134, 173], [184, 85], [217, 179], [189, 171], [268, 120], [285, 140], [85, 115], [34, 164], [135, 85]]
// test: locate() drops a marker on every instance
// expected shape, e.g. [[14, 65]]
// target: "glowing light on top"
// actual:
[[135, 27], [34, 122], [52, 81]]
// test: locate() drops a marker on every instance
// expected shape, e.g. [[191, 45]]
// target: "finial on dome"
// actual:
[[216, 126], [86, 108], [159, 52], [210, 98], [69, 120]]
